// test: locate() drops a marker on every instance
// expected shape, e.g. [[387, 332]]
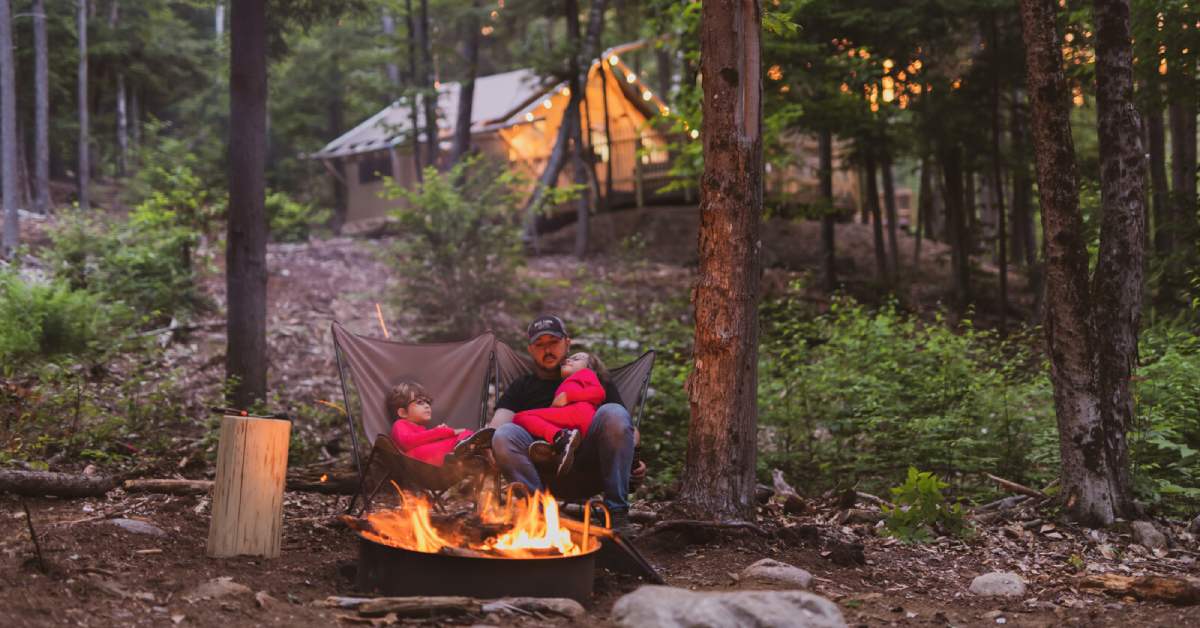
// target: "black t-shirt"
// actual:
[[530, 392]]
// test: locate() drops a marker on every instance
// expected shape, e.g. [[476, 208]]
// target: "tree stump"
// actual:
[[247, 507]]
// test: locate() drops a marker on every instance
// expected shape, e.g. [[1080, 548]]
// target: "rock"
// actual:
[[998, 584], [264, 599], [770, 571], [670, 607], [1194, 526], [137, 527], [1148, 536], [216, 588]]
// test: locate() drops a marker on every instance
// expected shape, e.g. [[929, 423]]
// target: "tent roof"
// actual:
[[497, 98]]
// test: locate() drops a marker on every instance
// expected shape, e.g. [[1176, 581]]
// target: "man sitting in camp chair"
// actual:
[[605, 456]]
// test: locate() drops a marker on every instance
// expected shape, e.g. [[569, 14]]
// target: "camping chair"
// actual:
[[461, 377]]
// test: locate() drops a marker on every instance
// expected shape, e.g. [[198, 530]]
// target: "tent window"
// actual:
[[373, 169]]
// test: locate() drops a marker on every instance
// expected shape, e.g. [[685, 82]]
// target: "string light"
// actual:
[[695, 133], [546, 103], [646, 95], [486, 30], [529, 117], [613, 60], [631, 77]]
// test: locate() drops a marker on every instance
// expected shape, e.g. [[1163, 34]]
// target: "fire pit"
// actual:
[[523, 549]]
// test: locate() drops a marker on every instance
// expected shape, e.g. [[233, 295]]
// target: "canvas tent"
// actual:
[[515, 117]]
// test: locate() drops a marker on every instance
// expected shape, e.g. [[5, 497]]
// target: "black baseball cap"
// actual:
[[546, 325]]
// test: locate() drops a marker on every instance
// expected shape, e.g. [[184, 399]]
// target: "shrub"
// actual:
[[921, 509], [293, 221], [43, 321], [460, 247]]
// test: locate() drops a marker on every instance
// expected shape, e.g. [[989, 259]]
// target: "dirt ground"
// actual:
[[94, 573]]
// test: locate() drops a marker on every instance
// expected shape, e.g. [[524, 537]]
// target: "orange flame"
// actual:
[[528, 528]]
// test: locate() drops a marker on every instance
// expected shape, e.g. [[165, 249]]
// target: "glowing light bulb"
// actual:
[[529, 117], [613, 60], [546, 103], [695, 133], [646, 95], [631, 77]]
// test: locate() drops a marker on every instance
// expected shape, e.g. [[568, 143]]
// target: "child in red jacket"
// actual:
[[413, 409], [562, 426]]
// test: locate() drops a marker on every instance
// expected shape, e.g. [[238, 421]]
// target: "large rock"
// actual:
[[1148, 536], [998, 584], [670, 607], [770, 571]]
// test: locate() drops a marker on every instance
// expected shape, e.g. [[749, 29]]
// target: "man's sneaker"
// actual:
[[566, 443], [621, 523], [474, 444], [541, 452]]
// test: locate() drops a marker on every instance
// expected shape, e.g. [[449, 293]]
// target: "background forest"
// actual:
[[112, 292]]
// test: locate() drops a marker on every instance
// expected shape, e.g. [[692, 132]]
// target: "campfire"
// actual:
[[519, 548], [524, 528]]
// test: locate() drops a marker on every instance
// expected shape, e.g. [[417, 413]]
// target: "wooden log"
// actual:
[[335, 483], [38, 483], [1013, 487], [421, 606], [785, 494], [247, 507], [1163, 588]]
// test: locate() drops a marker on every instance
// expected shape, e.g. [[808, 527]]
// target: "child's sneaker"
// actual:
[[541, 452], [475, 443], [566, 442]]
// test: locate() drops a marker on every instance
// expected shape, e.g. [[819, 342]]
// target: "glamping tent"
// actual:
[[515, 116]]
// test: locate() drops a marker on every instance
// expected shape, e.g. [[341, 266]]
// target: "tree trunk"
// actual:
[[558, 155], [219, 21], [1024, 239], [41, 107], [718, 477], [889, 203], [578, 90], [85, 165], [122, 117], [662, 63], [1091, 486], [869, 167], [829, 218], [430, 92], [1183, 179], [924, 206], [1117, 284], [247, 500], [8, 133], [415, 95], [1157, 138], [998, 186], [246, 248], [466, 93], [950, 157], [388, 25]]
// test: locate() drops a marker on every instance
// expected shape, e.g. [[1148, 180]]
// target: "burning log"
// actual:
[[247, 506], [38, 483]]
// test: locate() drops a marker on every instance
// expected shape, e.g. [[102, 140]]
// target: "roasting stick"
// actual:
[[379, 314]]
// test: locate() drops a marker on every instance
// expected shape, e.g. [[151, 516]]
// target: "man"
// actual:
[[602, 464]]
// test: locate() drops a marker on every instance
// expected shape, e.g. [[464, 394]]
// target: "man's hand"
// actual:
[[560, 400]]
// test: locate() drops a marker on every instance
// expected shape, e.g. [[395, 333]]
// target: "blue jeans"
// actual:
[[601, 465]]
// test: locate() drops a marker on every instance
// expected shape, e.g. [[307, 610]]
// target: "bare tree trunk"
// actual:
[[219, 21], [1183, 176], [8, 133], [413, 81], [578, 90], [430, 96], [889, 203], [950, 158], [723, 385], [122, 117], [924, 206], [388, 25], [135, 116], [558, 155], [1024, 247], [466, 92], [1117, 284], [998, 186], [1157, 136], [1091, 485], [85, 165], [662, 64], [246, 249], [41, 109], [881, 265], [828, 219]]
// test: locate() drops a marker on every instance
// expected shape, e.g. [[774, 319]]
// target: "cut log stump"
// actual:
[[247, 506]]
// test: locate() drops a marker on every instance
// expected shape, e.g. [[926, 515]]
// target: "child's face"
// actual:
[[419, 411], [574, 363]]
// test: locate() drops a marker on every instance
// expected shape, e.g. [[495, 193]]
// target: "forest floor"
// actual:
[[97, 573]]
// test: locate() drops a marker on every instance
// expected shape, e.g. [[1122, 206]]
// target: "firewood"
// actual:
[[247, 504], [421, 606], [38, 483], [791, 500], [344, 483], [1179, 591], [1013, 487]]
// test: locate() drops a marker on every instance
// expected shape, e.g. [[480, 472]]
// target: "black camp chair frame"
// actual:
[[434, 480]]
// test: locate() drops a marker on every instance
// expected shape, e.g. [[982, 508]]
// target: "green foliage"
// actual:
[[460, 247], [44, 321], [1165, 441], [921, 508], [293, 221]]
